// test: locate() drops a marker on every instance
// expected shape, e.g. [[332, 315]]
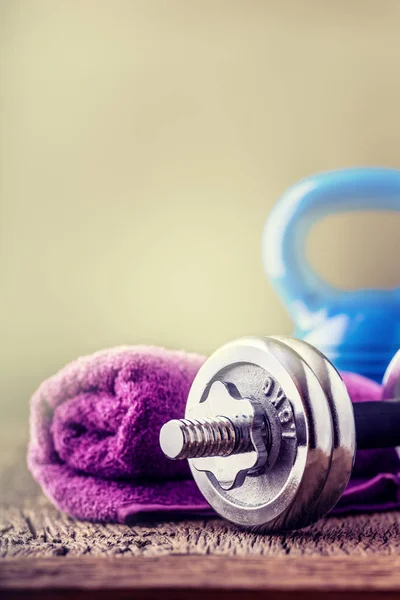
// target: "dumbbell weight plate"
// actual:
[[282, 497], [344, 434]]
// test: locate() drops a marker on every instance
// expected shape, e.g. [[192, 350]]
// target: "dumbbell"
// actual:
[[270, 432]]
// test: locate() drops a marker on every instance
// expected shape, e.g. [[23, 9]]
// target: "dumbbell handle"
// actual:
[[377, 424]]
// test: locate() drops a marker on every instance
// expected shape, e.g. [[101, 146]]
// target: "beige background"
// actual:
[[142, 145]]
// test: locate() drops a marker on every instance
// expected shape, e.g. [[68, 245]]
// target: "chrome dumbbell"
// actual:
[[270, 432]]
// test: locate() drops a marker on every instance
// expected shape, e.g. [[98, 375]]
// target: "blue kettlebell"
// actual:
[[358, 330]]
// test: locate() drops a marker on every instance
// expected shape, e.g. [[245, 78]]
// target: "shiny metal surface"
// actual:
[[344, 434], [210, 437], [226, 435], [269, 432], [282, 494], [391, 383], [391, 379]]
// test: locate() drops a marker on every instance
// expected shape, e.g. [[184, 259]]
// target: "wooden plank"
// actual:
[[39, 530], [31, 527], [49, 555], [169, 575]]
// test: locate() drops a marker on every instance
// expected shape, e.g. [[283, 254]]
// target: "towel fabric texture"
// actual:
[[94, 439]]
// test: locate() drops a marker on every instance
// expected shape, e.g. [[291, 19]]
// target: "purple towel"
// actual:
[[94, 439]]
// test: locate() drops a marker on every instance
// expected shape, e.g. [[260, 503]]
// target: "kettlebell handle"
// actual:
[[287, 227]]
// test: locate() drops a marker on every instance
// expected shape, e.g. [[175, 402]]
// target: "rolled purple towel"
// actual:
[[94, 438], [94, 434]]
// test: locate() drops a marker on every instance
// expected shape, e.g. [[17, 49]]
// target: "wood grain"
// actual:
[[31, 526], [47, 554], [292, 576]]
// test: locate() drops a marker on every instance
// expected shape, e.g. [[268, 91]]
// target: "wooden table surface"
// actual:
[[46, 554]]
